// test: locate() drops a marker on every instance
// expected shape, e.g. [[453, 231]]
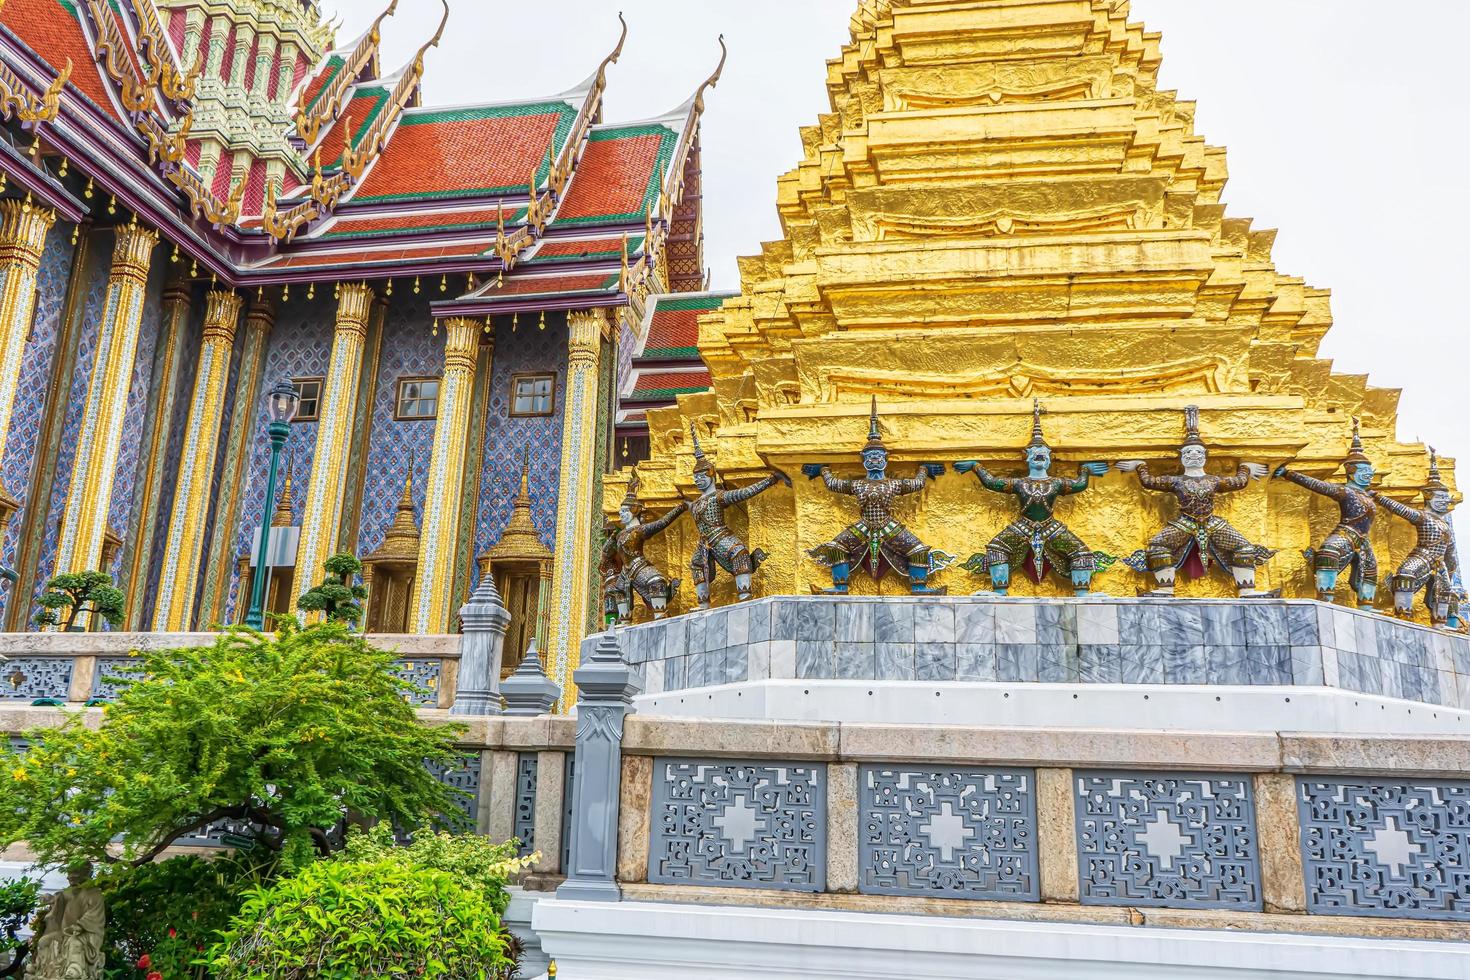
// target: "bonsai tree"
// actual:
[[68, 596], [339, 598]]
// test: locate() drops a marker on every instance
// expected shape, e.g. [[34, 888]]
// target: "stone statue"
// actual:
[[877, 541], [718, 545], [1347, 547], [1433, 565], [70, 944], [624, 569], [1036, 540], [1197, 536]]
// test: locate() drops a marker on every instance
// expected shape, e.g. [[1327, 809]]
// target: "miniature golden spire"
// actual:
[[403, 520], [282, 516]]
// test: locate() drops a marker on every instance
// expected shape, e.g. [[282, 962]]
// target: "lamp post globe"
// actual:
[[281, 403]]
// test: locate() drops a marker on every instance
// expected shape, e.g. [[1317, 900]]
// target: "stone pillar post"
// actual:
[[244, 40], [571, 578], [23, 228], [439, 536], [529, 692], [286, 72], [214, 60], [265, 55], [177, 304], [244, 422], [606, 688], [322, 512], [191, 54], [485, 618], [84, 521], [178, 581]]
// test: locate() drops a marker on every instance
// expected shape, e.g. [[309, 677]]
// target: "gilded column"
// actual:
[[244, 419], [177, 304], [567, 622], [439, 536], [23, 228], [323, 509], [84, 520], [178, 580]]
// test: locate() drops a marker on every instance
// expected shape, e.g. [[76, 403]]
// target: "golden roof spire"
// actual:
[[282, 516], [519, 542], [401, 541]]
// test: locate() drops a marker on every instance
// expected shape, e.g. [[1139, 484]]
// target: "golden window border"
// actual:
[[321, 383], [409, 379], [515, 380]]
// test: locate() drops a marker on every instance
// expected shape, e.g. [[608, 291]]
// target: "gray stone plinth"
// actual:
[[1098, 640]]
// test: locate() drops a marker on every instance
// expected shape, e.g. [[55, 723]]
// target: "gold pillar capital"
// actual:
[[461, 341], [133, 252], [23, 227], [585, 330], [221, 314], [354, 302], [261, 315]]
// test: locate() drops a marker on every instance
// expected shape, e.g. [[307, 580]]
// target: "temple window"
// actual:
[[311, 399], [418, 398], [532, 395]]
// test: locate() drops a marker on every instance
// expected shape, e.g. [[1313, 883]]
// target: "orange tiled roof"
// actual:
[[617, 179], [664, 385], [673, 331], [373, 256], [468, 152], [537, 285], [576, 250], [362, 109], [313, 89], [407, 224], [51, 29]]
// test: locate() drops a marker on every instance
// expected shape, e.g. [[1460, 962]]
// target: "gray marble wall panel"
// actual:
[[1092, 639]]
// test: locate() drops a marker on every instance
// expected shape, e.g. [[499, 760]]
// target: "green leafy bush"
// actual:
[[472, 859], [292, 733], [161, 917], [18, 901], [347, 920]]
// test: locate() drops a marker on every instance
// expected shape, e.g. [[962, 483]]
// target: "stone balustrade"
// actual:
[[77, 668], [1271, 832]]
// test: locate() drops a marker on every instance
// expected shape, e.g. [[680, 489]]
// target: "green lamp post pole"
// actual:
[[281, 404]]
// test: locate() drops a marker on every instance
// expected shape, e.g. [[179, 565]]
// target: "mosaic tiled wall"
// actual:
[[35, 373], [408, 350], [135, 418], [93, 300], [191, 335], [526, 348], [300, 346]]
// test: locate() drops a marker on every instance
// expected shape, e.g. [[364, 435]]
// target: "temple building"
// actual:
[[203, 200]]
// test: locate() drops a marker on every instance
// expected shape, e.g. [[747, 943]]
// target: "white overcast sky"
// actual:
[[1345, 130]]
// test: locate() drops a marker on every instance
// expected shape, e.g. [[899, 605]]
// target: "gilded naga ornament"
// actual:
[[625, 571], [1433, 565], [1036, 540], [1197, 536], [1348, 546], [718, 545], [877, 542]]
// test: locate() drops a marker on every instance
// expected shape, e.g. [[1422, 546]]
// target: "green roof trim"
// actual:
[[511, 218], [360, 128], [566, 117], [660, 394], [667, 142], [334, 65], [634, 244], [669, 353], [703, 304]]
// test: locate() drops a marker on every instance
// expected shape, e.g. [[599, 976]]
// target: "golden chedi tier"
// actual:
[[1002, 206]]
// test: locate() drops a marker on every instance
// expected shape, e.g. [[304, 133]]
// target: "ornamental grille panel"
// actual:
[[1172, 840], [739, 824], [110, 671], [423, 675], [525, 822], [569, 780], [1380, 847], [466, 778], [952, 833], [34, 678]]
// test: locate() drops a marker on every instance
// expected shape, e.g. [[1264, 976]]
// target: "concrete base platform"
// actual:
[[1223, 708], [647, 941]]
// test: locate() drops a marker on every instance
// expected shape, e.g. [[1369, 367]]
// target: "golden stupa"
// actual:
[[1003, 206]]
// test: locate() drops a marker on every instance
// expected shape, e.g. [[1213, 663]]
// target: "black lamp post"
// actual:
[[281, 404]]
